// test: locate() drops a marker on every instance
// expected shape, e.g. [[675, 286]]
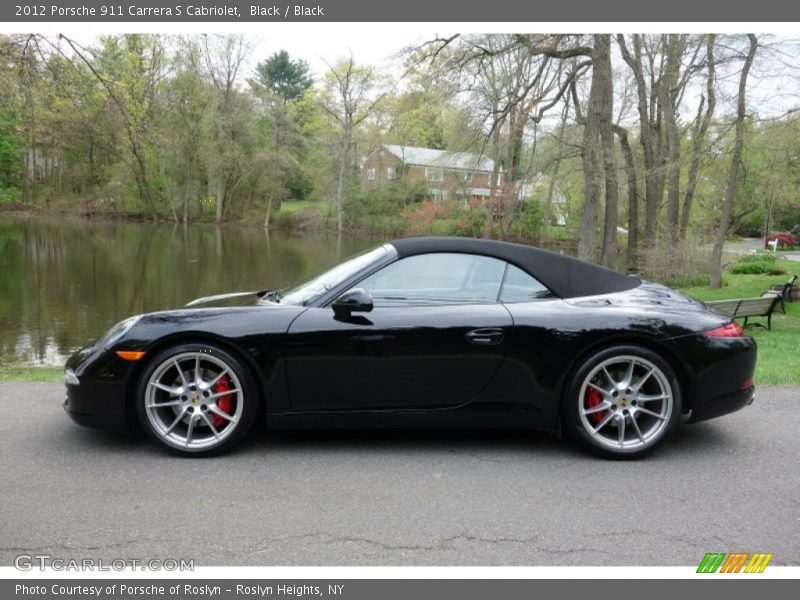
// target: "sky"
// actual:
[[375, 47], [770, 93]]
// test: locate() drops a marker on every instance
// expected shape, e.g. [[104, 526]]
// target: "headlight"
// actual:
[[70, 378], [117, 331]]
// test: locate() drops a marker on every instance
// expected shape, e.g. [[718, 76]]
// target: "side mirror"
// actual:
[[354, 300]]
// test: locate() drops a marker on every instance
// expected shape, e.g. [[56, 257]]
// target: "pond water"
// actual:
[[65, 282]]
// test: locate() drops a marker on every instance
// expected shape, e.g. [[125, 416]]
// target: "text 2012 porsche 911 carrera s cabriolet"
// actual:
[[424, 332]]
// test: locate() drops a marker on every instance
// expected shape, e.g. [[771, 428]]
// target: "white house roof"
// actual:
[[428, 157]]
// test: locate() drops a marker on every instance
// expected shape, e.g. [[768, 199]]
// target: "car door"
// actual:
[[434, 339]]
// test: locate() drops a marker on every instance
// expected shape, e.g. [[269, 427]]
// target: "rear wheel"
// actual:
[[623, 402], [197, 399]]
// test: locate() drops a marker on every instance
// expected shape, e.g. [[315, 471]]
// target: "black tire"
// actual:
[[237, 373], [626, 414]]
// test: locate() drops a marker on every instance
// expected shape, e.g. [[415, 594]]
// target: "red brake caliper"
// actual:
[[593, 398], [225, 403]]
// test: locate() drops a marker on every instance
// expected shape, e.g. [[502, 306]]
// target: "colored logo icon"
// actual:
[[734, 562]]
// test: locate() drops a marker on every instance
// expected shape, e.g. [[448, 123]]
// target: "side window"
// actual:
[[518, 286], [437, 278]]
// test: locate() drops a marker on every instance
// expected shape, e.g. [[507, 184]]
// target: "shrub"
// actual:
[[420, 217], [784, 238], [674, 264], [529, 222], [765, 257], [757, 268], [470, 222], [10, 195]]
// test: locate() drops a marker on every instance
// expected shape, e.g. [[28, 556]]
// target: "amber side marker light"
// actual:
[[731, 330], [133, 355]]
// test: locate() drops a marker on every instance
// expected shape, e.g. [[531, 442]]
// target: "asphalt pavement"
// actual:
[[399, 498]]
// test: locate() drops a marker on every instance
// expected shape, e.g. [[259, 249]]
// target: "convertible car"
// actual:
[[423, 332]]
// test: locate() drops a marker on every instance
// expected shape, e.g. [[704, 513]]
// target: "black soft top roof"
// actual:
[[565, 276]]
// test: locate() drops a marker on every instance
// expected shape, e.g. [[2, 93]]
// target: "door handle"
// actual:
[[485, 337]]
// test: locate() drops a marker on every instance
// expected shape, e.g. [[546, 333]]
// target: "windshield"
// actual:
[[308, 291]]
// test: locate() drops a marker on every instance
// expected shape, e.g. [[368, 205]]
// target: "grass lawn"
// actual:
[[292, 206], [779, 349], [25, 373]]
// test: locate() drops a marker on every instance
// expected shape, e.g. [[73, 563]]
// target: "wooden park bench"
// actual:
[[783, 291], [747, 308]]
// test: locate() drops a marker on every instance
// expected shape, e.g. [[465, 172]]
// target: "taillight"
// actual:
[[731, 330]]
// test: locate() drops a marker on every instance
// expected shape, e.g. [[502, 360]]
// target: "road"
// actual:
[[747, 245], [401, 498]]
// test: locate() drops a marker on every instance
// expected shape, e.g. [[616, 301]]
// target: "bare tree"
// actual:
[[715, 269], [700, 133], [132, 88], [515, 80], [349, 101], [601, 68], [223, 57]]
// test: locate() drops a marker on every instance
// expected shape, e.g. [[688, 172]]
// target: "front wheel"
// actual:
[[196, 399], [622, 402]]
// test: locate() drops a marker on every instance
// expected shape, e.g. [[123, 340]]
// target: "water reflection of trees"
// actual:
[[62, 283]]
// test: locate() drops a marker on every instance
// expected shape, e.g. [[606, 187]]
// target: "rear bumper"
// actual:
[[724, 404], [721, 377]]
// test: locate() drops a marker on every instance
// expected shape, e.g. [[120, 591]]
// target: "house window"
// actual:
[[391, 173], [466, 177], [434, 174], [371, 174]]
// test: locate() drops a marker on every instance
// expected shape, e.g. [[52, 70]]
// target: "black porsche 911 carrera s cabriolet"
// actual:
[[423, 332]]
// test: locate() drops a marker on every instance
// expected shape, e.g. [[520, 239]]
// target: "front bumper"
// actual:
[[98, 407], [99, 398]]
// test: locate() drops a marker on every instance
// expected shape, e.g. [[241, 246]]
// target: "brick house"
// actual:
[[446, 174]]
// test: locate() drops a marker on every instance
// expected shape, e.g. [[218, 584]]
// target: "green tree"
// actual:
[[283, 77], [9, 153]]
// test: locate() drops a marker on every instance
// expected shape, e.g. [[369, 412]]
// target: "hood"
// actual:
[[233, 299]]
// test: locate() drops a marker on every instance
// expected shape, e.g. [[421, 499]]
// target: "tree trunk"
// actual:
[[493, 184], [340, 183], [185, 206], [591, 156], [602, 69], [220, 199], [652, 195], [548, 205], [733, 175], [269, 213], [699, 137], [633, 199], [669, 82], [768, 224]]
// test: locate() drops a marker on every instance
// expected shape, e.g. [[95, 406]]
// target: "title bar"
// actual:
[[449, 11]]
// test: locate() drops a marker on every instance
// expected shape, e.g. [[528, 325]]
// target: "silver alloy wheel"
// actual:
[[183, 401], [625, 403]]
